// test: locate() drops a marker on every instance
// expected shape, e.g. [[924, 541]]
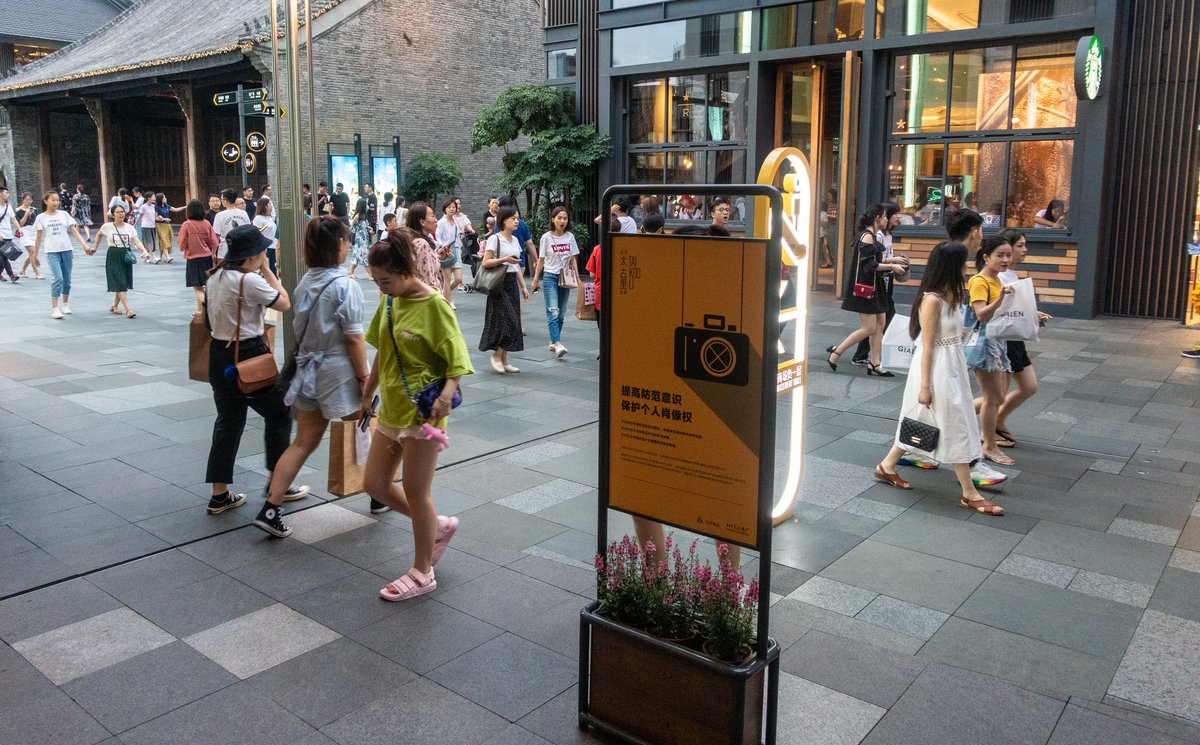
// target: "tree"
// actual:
[[561, 154], [431, 174]]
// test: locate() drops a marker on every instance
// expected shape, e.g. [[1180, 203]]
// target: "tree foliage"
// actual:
[[431, 174], [522, 110]]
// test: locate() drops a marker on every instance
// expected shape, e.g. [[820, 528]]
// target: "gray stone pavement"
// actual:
[[130, 615]]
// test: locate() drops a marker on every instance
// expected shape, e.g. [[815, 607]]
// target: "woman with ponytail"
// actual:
[[331, 358]]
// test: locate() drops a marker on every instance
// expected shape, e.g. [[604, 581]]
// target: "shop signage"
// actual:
[[1089, 67], [250, 162], [685, 422], [256, 142], [230, 152]]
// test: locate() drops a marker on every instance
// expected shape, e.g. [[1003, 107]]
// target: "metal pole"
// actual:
[[291, 201], [312, 82], [278, 170], [242, 138]]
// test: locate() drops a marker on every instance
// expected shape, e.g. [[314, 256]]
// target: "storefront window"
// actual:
[[706, 36], [827, 21], [979, 89], [646, 168], [908, 17], [778, 29], [921, 86], [560, 63], [688, 119], [915, 182], [647, 111], [1044, 95], [1039, 174], [728, 105], [837, 20], [926, 16], [975, 174]]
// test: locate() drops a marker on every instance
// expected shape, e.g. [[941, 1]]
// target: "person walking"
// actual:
[[10, 232], [938, 381], [162, 225], [419, 344], [556, 257], [502, 315], [228, 219], [891, 210], [870, 304], [264, 220], [147, 217], [360, 229], [236, 296], [198, 242], [26, 214], [1023, 373], [81, 210], [423, 225], [54, 229], [118, 269], [448, 239], [985, 293], [331, 357]]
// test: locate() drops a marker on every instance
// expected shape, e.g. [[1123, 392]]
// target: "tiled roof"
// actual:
[[151, 34], [54, 20]]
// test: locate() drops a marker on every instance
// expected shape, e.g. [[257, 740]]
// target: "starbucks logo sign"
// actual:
[[1089, 67]]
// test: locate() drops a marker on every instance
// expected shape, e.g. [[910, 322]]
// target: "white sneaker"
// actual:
[[66, 311], [561, 350], [911, 459], [453, 306], [55, 313], [984, 475], [156, 260]]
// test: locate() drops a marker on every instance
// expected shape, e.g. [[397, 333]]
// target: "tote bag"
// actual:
[[898, 346], [974, 338], [1017, 316]]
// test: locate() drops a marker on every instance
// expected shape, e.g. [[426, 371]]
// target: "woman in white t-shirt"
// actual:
[[118, 272], [502, 315], [54, 229], [264, 220], [556, 257], [148, 222]]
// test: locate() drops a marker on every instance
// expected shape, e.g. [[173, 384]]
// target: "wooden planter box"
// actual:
[[644, 689]]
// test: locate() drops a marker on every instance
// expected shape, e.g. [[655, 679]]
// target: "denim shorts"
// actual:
[[995, 356]]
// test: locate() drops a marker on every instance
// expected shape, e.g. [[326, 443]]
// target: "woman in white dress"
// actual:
[[939, 380]]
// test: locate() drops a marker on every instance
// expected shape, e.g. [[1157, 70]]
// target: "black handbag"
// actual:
[[11, 250], [919, 435]]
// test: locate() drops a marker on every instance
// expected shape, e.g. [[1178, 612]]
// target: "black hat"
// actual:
[[245, 242]]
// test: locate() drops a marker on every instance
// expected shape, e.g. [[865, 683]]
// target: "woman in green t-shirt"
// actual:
[[419, 343]]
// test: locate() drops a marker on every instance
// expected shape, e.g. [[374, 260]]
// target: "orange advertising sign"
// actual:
[[685, 416]]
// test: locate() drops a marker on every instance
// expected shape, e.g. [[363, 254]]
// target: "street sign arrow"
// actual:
[[225, 99], [254, 94], [253, 108], [256, 142], [230, 152]]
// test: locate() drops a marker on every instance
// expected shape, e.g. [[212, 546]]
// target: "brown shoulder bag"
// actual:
[[256, 373]]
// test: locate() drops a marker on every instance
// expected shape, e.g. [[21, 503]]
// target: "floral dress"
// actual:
[[361, 245]]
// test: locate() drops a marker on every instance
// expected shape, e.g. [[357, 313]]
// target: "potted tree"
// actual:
[[667, 650]]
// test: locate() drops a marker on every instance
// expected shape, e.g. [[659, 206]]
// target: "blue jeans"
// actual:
[[556, 304], [60, 266]]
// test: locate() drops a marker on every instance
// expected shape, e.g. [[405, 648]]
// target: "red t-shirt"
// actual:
[[593, 266]]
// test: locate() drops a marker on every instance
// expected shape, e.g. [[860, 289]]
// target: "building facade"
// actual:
[[933, 104], [135, 102]]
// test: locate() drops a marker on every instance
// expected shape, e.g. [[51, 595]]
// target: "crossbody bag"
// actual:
[[426, 396], [258, 372]]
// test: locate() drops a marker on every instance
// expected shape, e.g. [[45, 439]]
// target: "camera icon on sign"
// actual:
[[716, 353]]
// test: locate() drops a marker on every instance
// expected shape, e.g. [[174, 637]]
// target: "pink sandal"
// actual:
[[445, 533], [409, 586]]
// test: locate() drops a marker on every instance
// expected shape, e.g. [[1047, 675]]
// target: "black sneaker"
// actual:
[[295, 492], [226, 501], [270, 519], [1191, 354], [378, 508], [860, 361]]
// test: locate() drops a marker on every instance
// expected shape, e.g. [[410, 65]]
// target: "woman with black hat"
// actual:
[[236, 296]]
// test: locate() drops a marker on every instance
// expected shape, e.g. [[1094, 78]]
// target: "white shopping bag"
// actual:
[[898, 346], [1017, 317]]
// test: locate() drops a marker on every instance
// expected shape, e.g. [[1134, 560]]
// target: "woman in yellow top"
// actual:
[[985, 293], [419, 343]]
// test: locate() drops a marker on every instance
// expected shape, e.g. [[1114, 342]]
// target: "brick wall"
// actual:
[[19, 155]]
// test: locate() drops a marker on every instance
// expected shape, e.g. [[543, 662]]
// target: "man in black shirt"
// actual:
[[214, 206], [341, 203], [307, 195], [372, 206], [248, 195]]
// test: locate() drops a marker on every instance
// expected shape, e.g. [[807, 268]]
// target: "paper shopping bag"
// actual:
[[345, 473], [198, 341], [898, 346], [1017, 316], [585, 301]]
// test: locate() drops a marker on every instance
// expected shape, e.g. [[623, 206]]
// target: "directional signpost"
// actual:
[[250, 102], [256, 142], [250, 162], [230, 152]]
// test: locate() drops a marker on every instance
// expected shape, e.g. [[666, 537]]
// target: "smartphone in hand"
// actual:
[[365, 423]]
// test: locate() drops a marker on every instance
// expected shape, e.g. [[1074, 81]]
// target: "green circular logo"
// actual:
[[1093, 68]]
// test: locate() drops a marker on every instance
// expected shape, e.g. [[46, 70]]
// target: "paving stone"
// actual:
[[795, 615], [236, 714], [1036, 665], [1144, 531], [260, 640], [829, 482], [457, 634], [925, 580], [1165, 518], [346, 604], [537, 498], [319, 523], [1117, 556], [424, 712], [956, 540], [199, 605], [166, 571], [942, 708], [864, 671], [143, 687], [1143, 717], [1182, 558], [1070, 619], [555, 569], [872, 509], [1103, 465], [35, 712], [812, 713], [1080, 726], [833, 595], [37, 612], [504, 598], [331, 681], [809, 548], [904, 617], [537, 453], [508, 675], [1159, 667], [1112, 588], [1178, 594], [142, 396], [501, 526], [83, 647]]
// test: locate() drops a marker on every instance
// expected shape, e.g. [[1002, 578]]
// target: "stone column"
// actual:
[[43, 130], [98, 109], [191, 135]]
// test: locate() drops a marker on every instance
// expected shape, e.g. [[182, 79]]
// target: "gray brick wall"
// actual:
[[19, 149], [370, 80]]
